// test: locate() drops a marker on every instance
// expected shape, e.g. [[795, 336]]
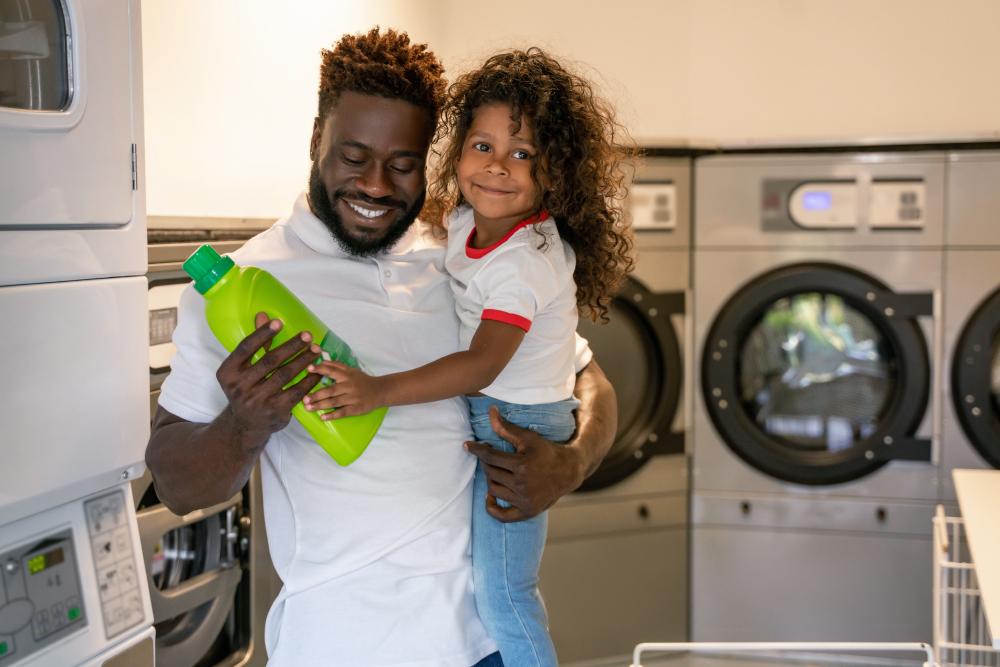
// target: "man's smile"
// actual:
[[366, 212]]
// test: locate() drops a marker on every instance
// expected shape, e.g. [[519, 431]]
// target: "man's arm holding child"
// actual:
[[540, 472]]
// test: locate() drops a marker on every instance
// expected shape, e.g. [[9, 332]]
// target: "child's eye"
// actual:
[[522, 155], [480, 146]]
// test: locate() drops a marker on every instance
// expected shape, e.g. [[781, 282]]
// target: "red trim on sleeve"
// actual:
[[477, 253], [506, 318]]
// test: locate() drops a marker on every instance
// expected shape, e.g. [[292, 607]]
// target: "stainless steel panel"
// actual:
[[606, 594], [799, 585], [973, 214], [728, 196], [678, 172], [790, 512], [622, 515]]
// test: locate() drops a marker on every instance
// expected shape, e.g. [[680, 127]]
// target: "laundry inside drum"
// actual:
[[816, 374]]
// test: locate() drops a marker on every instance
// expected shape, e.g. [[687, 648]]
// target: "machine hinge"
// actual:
[[135, 173]]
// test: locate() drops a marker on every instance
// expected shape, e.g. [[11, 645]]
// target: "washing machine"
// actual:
[[615, 566], [971, 420], [74, 418], [209, 572], [817, 282]]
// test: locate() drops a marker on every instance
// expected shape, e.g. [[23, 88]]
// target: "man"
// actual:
[[374, 557]]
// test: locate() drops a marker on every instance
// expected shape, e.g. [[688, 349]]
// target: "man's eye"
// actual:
[[350, 160], [404, 168]]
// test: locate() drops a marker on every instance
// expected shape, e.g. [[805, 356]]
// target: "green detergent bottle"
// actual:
[[233, 297]]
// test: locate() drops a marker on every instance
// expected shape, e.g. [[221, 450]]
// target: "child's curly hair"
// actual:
[[582, 153], [386, 64]]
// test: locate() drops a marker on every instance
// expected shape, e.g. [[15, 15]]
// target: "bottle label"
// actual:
[[332, 348]]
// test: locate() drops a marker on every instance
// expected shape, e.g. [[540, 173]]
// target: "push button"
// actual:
[[108, 582], [126, 576], [104, 551], [114, 617], [123, 543], [7, 647]]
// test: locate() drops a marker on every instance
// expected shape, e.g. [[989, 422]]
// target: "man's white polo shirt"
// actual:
[[374, 557]]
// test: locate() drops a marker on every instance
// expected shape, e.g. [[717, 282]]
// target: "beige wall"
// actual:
[[764, 69], [230, 84], [230, 96]]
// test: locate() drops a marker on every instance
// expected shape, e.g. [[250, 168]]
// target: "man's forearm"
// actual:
[[597, 418], [198, 465]]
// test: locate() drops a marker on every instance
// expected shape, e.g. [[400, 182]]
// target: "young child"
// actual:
[[531, 172]]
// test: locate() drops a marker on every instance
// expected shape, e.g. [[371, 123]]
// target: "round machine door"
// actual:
[[639, 351], [975, 379], [194, 570], [818, 374]]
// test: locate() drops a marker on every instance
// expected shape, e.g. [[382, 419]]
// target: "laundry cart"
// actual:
[[961, 633]]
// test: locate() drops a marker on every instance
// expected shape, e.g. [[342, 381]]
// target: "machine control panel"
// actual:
[[114, 561], [40, 596], [897, 204], [844, 205], [653, 205], [824, 205]]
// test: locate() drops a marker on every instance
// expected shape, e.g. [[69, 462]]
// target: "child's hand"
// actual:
[[353, 392]]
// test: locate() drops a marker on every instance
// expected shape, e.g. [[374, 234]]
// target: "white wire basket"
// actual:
[[961, 635], [925, 651]]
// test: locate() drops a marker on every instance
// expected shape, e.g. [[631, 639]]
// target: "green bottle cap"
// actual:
[[205, 267]]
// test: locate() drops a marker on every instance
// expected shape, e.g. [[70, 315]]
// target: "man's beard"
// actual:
[[322, 206]]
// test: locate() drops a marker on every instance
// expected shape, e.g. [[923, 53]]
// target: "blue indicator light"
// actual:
[[817, 200]]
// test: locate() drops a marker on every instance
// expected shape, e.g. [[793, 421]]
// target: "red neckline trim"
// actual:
[[478, 253]]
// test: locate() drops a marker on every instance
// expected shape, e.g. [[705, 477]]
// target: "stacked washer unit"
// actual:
[[73, 414], [817, 278], [209, 572], [971, 423], [615, 566]]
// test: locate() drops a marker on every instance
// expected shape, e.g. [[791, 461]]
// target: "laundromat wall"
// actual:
[[678, 70]]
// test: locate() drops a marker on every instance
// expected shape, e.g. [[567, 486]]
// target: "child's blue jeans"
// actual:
[[506, 556]]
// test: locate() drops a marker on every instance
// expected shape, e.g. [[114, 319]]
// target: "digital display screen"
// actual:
[[44, 561], [817, 200]]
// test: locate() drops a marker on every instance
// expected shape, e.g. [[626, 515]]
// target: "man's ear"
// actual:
[[317, 135]]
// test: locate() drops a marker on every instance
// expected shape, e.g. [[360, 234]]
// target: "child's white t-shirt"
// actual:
[[525, 279]]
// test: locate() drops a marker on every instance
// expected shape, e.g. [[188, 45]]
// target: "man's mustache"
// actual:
[[362, 197]]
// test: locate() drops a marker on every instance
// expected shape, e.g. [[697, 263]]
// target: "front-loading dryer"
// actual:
[[970, 436], [614, 571], [816, 282]]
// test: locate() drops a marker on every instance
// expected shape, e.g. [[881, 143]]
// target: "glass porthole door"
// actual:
[[804, 373], [35, 58], [639, 351], [975, 379]]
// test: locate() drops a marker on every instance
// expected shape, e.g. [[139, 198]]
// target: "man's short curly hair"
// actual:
[[384, 64]]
